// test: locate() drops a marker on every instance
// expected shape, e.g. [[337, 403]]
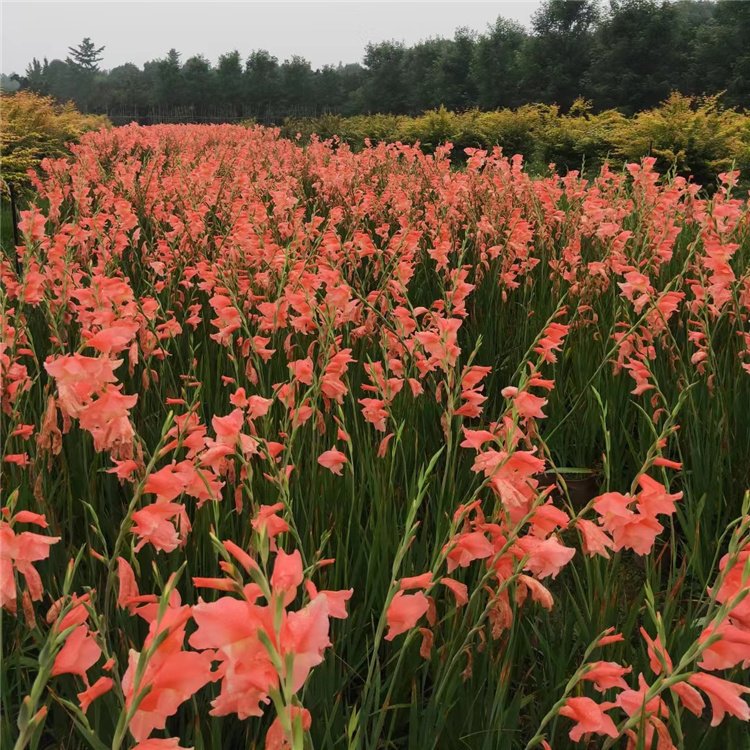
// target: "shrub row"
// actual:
[[690, 135]]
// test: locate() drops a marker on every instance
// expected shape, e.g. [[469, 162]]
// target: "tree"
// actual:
[[86, 56], [229, 80], [627, 54], [455, 82], [198, 82], [421, 74], [297, 82], [559, 52], [127, 88], [83, 64], [721, 59], [496, 65], [262, 82], [36, 76], [638, 56], [168, 88], [385, 89]]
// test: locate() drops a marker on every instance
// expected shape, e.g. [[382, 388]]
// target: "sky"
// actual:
[[322, 32]]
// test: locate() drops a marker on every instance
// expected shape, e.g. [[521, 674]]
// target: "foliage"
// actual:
[[694, 136], [36, 127], [626, 54]]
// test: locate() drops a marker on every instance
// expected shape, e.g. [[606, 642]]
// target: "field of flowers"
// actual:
[[303, 448]]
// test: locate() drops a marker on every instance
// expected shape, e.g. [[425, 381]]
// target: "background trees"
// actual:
[[624, 54]]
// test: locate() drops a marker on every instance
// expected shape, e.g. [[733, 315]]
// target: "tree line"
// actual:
[[624, 54]]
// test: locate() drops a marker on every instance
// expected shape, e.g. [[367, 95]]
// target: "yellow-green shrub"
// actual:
[[692, 135], [695, 136], [34, 127]]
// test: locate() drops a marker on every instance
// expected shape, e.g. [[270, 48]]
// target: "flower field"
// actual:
[[305, 448]]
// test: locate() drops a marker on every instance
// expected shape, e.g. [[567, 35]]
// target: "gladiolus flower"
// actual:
[[724, 696], [590, 718], [79, 653], [100, 687], [287, 574], [404, 611], [276, 738], [333, 460], [606, 675]]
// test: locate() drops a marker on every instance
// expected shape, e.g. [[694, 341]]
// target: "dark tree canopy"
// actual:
[[622, 54]]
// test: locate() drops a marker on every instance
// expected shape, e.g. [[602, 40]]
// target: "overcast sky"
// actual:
[[323, 32]]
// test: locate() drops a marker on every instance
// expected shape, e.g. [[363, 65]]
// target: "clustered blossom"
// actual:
[[723, 645]]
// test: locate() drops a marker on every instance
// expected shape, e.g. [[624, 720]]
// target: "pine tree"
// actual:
[[86, 56]]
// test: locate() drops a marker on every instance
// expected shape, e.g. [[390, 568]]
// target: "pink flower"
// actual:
[[731, 648], [100, 687], [404, 611], [276, 738], [529, 406], [287, 574], [468, 547], [545, 556], [169, 743], [79, 653], [595, 540], [653, 499], [590, 718], [333, 460], [724, 696], [606, 675], [152, 526]]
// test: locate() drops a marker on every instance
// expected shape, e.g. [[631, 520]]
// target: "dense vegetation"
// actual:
[[691, 137], [35, 127], [625, 54], [349, 449]]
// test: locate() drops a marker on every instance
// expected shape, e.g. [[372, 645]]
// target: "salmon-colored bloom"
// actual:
[[19, 552], [287, 575], [529, 406], [152, 526], [404, 611], [333, 460], [545, 556], [590, 718], [231, 626], [336, 600], [606, 675], [108, 420], [658, 656], [468, 547], [731, 648], [724, 696], [171, 675], [102, 686], [458, 589], [79, 653], [276, 738], [422, 581], [79, 378], [689, 697], [595, 540], [268, 522], [653, 499]]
